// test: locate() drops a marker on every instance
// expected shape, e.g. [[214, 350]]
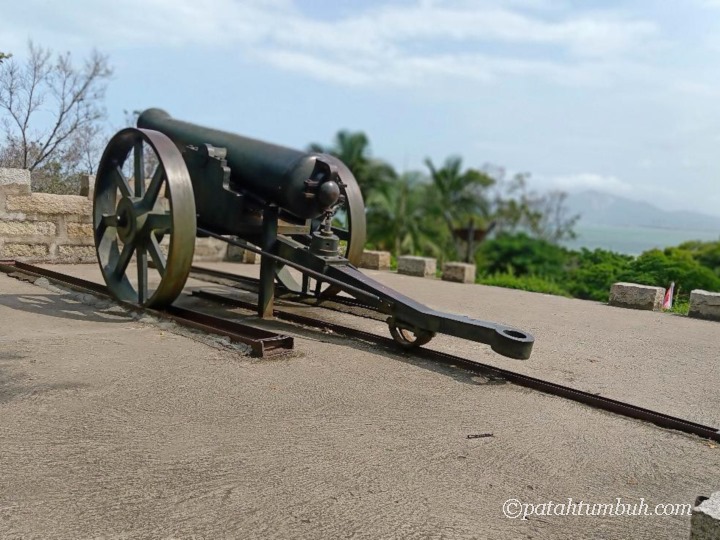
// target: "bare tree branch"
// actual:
[[52, 109]]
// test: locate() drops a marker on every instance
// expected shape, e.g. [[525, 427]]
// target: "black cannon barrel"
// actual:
[[273, 173]]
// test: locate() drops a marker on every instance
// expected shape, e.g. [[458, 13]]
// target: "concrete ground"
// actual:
[[113, 427]]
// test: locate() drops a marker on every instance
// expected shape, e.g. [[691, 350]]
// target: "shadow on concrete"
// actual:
[[284, 327], [15, 382], [66, 307]]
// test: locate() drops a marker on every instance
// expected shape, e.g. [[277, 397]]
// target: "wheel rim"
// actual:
[[132, 219]]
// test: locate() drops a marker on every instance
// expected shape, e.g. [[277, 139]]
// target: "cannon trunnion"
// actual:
[[160, 185]]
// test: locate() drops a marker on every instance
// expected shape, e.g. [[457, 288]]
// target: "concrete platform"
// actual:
[[112, 427]]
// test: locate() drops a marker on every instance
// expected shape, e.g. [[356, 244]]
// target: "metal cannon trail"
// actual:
[[163, 183]]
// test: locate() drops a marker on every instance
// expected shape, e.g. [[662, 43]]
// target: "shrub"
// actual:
[[524, 283], [659, 268], [521, 255]]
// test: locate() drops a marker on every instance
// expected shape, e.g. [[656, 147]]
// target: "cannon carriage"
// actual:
[[166, 181]]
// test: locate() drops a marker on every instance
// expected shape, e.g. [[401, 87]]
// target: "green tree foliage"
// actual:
[[706, 253], [522, 262], [397, 221], [521, 255], [457, 196], [659, 268], [4, 56], [590, 274]]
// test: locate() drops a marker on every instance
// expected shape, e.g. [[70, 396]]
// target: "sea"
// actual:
[[634, 240]]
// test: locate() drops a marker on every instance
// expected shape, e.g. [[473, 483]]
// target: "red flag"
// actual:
[[667, 303]]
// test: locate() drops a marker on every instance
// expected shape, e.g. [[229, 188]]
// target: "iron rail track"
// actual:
[[264, 343], [620, 408]]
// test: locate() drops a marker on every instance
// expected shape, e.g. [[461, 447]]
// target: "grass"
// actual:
[[680, 306], [523, 283]]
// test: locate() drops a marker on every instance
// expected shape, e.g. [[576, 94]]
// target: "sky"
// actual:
[[616, 96]]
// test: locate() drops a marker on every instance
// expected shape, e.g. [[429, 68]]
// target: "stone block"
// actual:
[[76, 253], [417, 266], [705, 520], [240, 255], [634, 296], [705, 305], [84, 230], [12, 251], [87, 185], [375, 260], [458, 272], [210, 249], [15, 180], [27, 228], [49, 203]]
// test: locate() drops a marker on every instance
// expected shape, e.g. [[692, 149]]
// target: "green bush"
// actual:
[[521, 255], [706, 253], [521, 262], [659, 268], [524, 283], [591, 273]]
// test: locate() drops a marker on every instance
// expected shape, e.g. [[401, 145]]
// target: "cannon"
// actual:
[[165, 182]]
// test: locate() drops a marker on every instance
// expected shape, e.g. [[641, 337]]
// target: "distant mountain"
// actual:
[[597, 208]]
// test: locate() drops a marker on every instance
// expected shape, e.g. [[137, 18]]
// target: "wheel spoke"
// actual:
[[139, 169], [124, 259], [109, 220], [142, 267], [122, 183], [158, 258], [161, 223], [154, 188], [106, 222]]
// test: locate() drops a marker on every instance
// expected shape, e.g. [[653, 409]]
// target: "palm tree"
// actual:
[[397, 220], [459, 195]]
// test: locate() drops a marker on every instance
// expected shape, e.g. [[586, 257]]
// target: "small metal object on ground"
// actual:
[[480, 435]]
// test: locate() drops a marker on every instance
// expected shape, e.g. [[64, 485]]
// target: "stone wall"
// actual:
[[43, 227]]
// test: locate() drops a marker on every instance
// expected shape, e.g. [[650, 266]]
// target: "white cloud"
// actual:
[[584, 181], [396, 44]]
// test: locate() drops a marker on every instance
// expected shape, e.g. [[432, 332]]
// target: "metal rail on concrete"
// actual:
[[262, 342], [593, 400]]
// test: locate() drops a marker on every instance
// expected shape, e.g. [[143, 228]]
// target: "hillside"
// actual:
[[597, 208]]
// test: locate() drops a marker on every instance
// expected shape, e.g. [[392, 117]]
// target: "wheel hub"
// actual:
[[130, 219]]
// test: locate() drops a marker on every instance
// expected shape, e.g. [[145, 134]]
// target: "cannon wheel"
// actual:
[[131, 218], [407, 338]]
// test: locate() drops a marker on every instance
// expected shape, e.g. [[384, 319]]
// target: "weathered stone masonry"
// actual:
[[42, 226]]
